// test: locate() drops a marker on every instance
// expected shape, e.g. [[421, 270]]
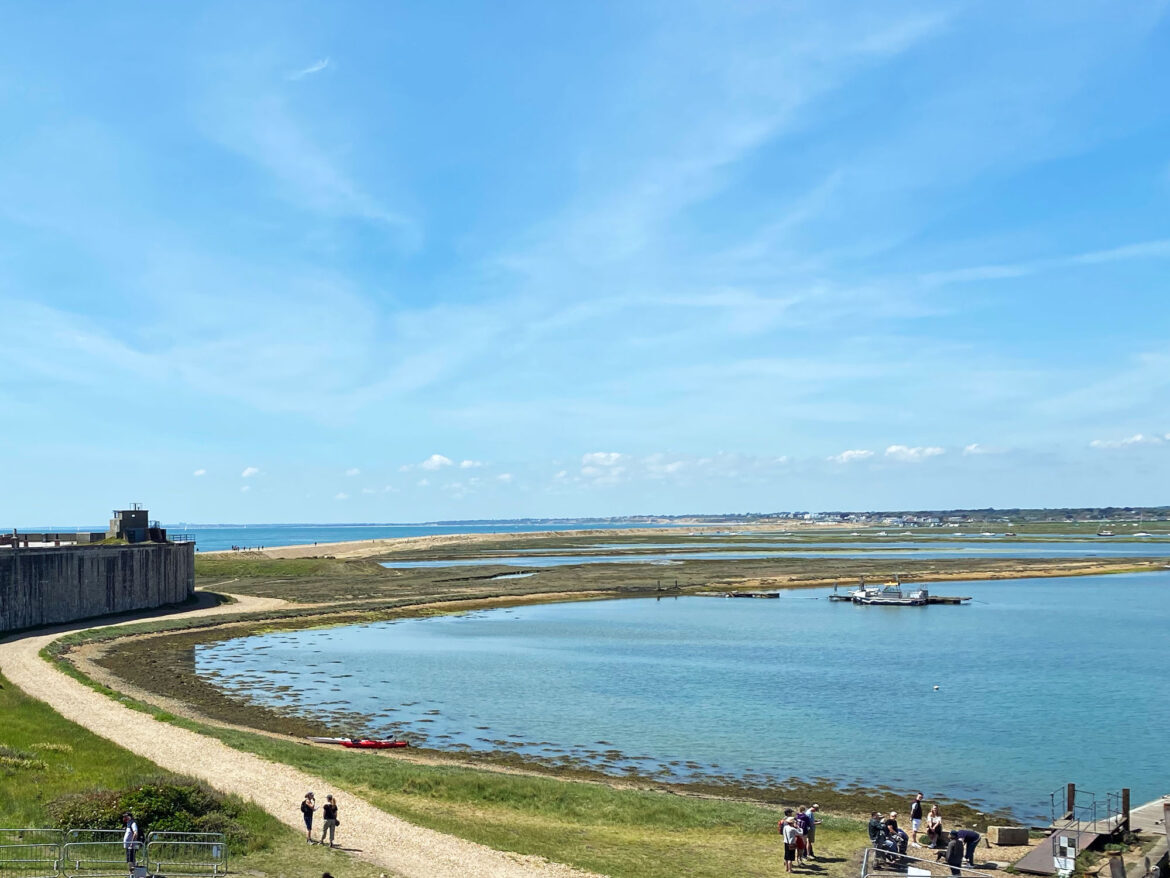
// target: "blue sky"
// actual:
[[398, 262]]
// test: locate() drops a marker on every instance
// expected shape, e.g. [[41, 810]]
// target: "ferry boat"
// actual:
[[891, 596]]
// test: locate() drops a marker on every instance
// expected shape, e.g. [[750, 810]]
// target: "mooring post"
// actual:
[[1071, 800], [1125, 808]]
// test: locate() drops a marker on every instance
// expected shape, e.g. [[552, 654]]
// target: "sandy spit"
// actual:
[[387, 841], [370, 548]]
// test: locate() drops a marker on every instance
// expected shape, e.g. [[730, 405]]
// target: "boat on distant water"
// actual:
[[892, 596], [1104, 533]]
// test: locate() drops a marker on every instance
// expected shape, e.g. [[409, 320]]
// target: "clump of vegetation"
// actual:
[[51, 747], [161, 804], [18, 760]]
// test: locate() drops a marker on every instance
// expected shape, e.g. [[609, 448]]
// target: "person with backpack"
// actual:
[[308, 806]]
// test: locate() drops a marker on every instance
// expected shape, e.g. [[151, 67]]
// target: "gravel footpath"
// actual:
[[384, 840]]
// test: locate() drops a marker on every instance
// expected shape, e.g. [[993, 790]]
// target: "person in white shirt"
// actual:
[[130, 838]]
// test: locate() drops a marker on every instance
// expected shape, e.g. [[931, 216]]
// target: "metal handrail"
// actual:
[[873, 857]]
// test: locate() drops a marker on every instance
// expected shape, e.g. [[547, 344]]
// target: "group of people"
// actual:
[[799, 829], [955, 847], [328, 812]]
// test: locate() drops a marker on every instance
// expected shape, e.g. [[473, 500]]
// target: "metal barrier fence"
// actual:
[[95, 853], [98, 853], [187, 853], [30, 853], [877, 863]]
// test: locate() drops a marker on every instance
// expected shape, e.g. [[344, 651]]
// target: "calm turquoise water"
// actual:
[[1041, 682]]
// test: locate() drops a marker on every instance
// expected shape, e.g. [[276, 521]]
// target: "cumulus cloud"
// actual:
[[912, 454], [504, 477], [470, 464], [341, 495], [851, 455], [353, 471], [199, 472], [250, 471], [436, 461], [422, 483], [1135, 439]]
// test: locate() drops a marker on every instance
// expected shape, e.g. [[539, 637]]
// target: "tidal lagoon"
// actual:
[[1040, 681]]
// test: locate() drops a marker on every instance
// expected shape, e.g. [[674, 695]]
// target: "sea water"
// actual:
[[1039, 682], [210, 538]]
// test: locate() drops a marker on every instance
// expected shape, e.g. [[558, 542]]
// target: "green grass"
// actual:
[[618, 832], [50, 757], [612, 831], [244, 564]]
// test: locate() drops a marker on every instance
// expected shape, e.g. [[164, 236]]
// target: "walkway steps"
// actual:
[[1038, 861]]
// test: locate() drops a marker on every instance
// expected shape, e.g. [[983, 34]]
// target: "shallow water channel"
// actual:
[[932, 550], [1040, 682]]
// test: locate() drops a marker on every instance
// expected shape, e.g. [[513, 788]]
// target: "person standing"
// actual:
[[954, 854], [915, 820], [810, 832], [802, 821], [130, 839], [308, 806], [791, 834], [970, 839], [329, 812]]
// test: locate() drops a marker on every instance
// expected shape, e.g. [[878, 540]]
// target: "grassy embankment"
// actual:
[[44, 757], [617, 832]]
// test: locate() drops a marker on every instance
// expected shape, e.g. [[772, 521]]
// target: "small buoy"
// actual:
[[936, 688]]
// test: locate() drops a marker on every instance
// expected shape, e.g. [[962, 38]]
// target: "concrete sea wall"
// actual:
[[52, 585]]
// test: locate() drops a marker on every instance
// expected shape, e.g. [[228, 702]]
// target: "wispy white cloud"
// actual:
[[504, 477], [1135, 439], [250, 471], [436, 461], [315, 67], [1156, 249], [914, 454], [245, 489], [470, 464], [199, 472], [341, 495], [853, 454], [353, 471]]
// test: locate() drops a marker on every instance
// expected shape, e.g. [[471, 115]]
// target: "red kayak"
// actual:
[[368, 744]]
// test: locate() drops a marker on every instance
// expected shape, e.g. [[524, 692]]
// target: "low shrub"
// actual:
[[164, 804]]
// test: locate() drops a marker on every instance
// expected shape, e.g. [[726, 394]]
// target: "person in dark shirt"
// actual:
[[954, 853], [876, 829], [915, 820], [899, 836], [970, 839]]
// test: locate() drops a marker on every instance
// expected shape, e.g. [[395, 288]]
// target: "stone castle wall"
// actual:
[[53, 585]]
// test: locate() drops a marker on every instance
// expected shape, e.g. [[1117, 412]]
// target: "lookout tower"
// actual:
[[133, 525]]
